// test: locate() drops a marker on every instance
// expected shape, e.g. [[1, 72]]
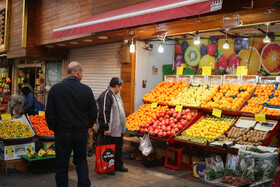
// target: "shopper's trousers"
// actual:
[[64, 144], [118, 141]]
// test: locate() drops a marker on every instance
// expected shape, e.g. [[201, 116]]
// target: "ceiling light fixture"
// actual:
[[196, 40], [266, 39], [160, 48], [132, 47], [226, 45], [102, 37]]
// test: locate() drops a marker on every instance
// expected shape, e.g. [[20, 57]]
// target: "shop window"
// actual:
[[53, 73]]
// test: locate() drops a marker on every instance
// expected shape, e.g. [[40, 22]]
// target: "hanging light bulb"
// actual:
[[196, 38], [160, 48], [226, 45], [132, 47], [266, 39]]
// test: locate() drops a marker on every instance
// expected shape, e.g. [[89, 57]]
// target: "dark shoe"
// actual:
[[89, 153], [112, 173], [122, 169]]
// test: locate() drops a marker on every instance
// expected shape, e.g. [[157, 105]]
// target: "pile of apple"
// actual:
[[168, 122]]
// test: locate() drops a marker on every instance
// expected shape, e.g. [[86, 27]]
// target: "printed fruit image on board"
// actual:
[[227, 52], [271, 58], [207, 60], [192, 56], [254, 64]]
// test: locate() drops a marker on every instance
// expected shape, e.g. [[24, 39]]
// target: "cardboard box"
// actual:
[[12, 152], [199, 169], [12, 166]]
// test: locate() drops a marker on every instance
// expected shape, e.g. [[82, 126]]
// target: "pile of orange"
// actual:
[[143, 115], [265, 90], [164, 92], [270, 111], [229, 96], [277, 91], [258, 100], [40, 125], [253, 108], [274, 101]]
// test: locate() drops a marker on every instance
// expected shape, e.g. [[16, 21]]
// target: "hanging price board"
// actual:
[[179, 71], [41, 113], [242, 70], [260, 117], [6, 117], [179, 108], [206, 70], [217, 112], [154, 105]]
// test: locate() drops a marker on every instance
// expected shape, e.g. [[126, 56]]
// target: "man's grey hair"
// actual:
[[74, 69]]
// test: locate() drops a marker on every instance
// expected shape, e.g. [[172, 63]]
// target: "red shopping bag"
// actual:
[[105, 159]]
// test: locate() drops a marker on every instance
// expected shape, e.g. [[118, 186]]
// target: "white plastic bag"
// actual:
[[145, 145]]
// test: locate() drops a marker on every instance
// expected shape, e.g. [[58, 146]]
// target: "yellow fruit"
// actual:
[[254, 64], [207, 60]]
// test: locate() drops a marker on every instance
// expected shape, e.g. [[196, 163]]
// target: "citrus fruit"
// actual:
[[227, 52], [207, 60], [254, 64], [271, 58], [258, 44], [192, 56]]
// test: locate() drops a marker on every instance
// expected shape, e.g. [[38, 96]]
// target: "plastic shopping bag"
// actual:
[[105, 159], [145, 145]]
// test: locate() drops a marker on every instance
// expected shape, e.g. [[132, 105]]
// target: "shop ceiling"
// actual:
[[253, 16]]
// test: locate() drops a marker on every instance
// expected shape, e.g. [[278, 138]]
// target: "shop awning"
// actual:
[[140, 14]]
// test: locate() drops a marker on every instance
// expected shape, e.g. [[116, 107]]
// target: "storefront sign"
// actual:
[[217, 112], [179, 71], [153, 105], [6, 117], [179, 108], [206, 70], [260, 117], [242, 70], [41, 113]]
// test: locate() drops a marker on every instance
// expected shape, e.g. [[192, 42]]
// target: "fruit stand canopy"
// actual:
[[139, 14]]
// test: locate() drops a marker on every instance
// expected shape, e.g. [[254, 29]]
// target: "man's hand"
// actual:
[[107, 133]]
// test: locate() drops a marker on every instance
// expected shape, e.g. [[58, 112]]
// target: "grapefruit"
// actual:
[[258, 44], [254, 64], [207, 60], [271, 58], [227, 52]]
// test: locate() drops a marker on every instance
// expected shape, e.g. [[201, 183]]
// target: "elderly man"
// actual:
[[71, 111], [15, 104]]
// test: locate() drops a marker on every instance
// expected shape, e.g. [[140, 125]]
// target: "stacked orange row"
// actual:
[[164, 92], [270, 111], [40, 125]]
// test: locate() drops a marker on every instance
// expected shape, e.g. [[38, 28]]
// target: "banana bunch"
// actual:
[[42, 153], [50, 152], [30, 154]]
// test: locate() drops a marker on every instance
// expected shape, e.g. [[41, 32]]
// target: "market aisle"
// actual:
[[138, 175]]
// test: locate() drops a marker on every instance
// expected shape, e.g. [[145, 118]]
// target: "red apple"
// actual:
[[188, 110], [168, 128], [192, 114], [166, 117]]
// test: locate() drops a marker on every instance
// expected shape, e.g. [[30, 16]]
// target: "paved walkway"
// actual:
[[138, 175]]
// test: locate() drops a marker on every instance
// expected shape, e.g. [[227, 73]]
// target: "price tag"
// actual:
[[260, 117], [41, 113], [179, 71], [154, 105], [242, 70], [206, 70], [3, 75], [179, 108], [6, 117], [217, 112], [183, 65]]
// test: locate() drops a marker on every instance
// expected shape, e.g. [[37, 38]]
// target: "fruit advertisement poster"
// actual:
[[260, 58]]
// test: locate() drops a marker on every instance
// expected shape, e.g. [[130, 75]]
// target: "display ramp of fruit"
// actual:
[[164, 92], [16, 130], [168, 123], [193, 95], [229, 97], [207, 129], [40, 126]]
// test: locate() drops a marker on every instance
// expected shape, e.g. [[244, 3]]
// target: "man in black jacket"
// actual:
[[71, 111], [111, 119]]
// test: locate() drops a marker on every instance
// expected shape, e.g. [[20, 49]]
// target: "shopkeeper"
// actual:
[[15, 104]]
